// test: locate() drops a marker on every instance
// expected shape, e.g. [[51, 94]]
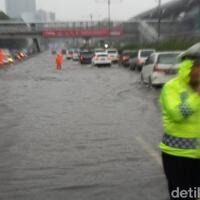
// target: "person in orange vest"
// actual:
[[59, 61], [2, 57]]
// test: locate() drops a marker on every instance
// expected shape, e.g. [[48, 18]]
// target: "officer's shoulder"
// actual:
[[171, 84]]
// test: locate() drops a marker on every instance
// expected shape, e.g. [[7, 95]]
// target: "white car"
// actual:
[[113, 55], [160, 67], [69, 54], [101, 58], [75, 56], [98, 50]]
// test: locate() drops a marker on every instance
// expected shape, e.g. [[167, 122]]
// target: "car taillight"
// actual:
[[139, 62], [18, 57], [82, 57], [125, 57], [159, 70]]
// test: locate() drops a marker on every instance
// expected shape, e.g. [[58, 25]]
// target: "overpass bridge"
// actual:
[[133, 30], [59, 29]]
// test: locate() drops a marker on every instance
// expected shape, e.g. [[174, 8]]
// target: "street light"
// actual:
[[109, 18], [109, 25], [109, 2], [159, 18]]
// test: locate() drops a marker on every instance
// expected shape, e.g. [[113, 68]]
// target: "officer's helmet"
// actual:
[[192, 53]]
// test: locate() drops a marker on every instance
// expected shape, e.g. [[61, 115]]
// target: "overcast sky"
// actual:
[[82, 9]]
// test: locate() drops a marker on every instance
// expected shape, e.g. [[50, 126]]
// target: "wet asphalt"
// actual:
[[82, 133]]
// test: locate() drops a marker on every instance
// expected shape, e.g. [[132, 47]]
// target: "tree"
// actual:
[[3, 16]]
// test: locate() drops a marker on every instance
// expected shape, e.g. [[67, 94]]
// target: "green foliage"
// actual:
[[170, 44], [3, 16]]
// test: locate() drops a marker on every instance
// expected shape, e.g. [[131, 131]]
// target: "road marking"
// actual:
[[152, 153]]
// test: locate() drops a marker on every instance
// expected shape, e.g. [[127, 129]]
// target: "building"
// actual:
[[16, 8], [45, 16]]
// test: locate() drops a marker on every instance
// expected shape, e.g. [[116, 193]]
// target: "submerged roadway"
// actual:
[[82, 133]]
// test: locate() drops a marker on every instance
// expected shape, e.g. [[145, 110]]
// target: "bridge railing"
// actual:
[[14, 26]]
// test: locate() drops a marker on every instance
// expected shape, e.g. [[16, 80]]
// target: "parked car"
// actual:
[[100, 59], [86, 57], [113, 55], [138, 61], [98, 50], [160, 67], [124, 58], [75, 55], [69, 54], [8, 59], [132, 59]]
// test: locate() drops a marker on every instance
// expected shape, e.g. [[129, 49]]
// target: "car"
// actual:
[[113, 55], [69, 54], [159, 68], [132, 59], [85, 57], [138, 61], [125, 57], [98, 50], [100, 59], [7, 57], [75, 55]]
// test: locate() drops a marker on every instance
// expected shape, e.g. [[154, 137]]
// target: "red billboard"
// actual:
[[73, 33]]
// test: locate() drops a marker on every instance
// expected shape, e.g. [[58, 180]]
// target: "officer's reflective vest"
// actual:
[[180, 107]]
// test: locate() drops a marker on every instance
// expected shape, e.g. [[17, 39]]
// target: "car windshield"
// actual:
[[112, 51], [6, 51], [168, 58], [127, 53], [86, 53], [133, 54], [146, 53], [99, 50], [102, 55]]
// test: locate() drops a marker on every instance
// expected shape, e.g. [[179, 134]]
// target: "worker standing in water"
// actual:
[[59, 60]]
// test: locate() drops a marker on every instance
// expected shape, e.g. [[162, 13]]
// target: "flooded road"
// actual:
[[83, 133]]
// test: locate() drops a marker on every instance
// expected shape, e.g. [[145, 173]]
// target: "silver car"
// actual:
[[160, 67]]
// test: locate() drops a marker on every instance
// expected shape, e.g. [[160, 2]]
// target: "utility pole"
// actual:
[[109, 18], [91, 19], [159, 19], [109, 25]]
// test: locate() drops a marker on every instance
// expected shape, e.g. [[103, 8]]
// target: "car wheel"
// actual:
[[134, 67], [150, 83], [141, 78]]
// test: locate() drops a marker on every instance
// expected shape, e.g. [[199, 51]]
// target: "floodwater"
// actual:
[[82, 133]]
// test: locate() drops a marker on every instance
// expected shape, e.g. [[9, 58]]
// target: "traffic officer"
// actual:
[[180, 146]]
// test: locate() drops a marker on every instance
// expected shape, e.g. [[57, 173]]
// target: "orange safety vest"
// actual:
[[59, 59]]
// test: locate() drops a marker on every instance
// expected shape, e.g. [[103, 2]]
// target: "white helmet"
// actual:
[[193, 52]]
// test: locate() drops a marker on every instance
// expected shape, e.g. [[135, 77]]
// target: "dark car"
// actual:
[[125, 57], [85, 57]]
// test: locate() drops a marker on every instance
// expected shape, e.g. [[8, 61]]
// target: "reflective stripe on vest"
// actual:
[[180, 143]]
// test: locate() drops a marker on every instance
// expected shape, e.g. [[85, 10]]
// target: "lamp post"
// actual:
[[91, 20], [109, 17], [109, 25], [159, 18]]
